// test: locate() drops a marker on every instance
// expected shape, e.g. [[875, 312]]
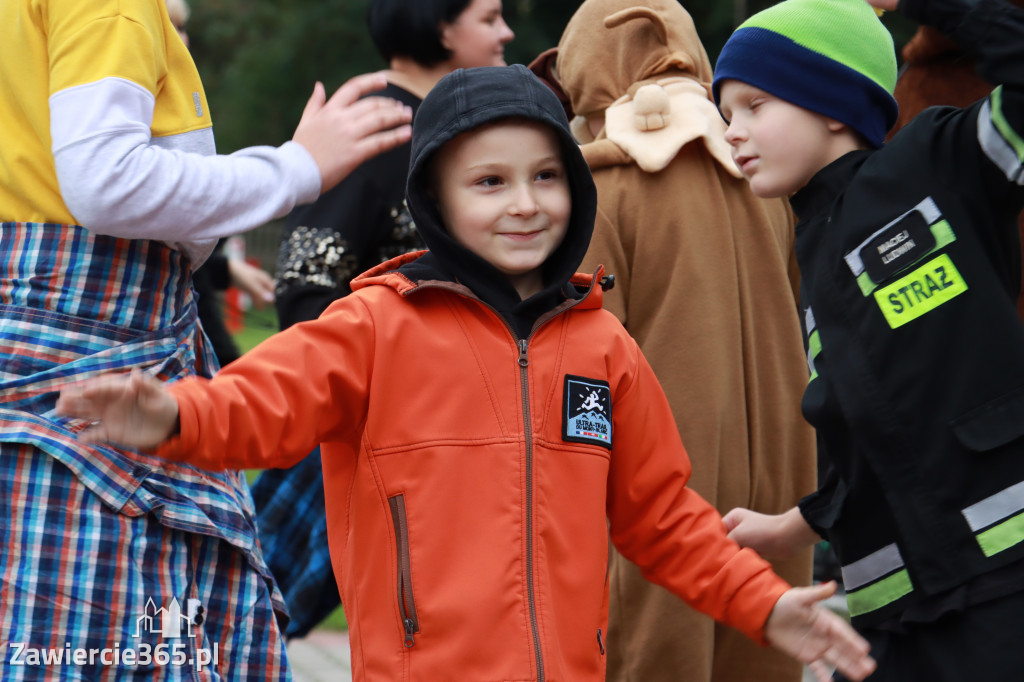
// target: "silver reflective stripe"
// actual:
[[927, 208], [813, 343], [996, 508], [996, 146], [872, 567]]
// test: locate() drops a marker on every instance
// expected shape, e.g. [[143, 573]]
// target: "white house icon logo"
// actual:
[[165, 622]]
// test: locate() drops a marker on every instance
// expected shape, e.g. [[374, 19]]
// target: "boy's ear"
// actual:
[[835, 126], [839, 128]]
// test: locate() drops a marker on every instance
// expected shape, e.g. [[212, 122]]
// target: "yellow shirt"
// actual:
[[53, 47]]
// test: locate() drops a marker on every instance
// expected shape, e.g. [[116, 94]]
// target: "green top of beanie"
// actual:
[[846, 31]]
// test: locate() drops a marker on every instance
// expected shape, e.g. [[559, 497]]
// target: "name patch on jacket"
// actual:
[[921, 291], [898, 246], [587, 411]]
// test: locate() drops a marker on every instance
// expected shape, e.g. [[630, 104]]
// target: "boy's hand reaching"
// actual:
[[809, 632], [131, 410], [780, 536]]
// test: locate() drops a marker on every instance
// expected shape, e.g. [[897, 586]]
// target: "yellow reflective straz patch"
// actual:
[[920, 292]]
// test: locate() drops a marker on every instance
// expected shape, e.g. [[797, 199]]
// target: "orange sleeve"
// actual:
[[676, 537], [302, 386]]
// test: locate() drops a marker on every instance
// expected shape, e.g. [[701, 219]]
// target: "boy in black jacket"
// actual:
[[910, 269]]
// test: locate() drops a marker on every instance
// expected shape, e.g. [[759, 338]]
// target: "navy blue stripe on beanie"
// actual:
[[833, 57]]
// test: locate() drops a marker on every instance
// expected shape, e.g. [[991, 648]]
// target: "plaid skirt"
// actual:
[[74, 305]]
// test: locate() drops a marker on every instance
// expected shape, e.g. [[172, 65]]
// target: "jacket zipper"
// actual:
[[406, 603], [524, 364], [524, 380]]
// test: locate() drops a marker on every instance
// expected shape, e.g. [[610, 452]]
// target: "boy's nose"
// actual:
[[733, 134], [524, 203]]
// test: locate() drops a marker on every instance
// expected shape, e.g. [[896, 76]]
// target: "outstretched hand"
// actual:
[[131, 410], [342, 132], [814, 635]]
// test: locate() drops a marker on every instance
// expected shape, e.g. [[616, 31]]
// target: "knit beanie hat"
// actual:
[[833, 57]]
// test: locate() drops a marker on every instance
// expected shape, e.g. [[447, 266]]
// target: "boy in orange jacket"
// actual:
[[484, 425]]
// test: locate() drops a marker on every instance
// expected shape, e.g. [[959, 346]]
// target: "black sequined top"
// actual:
[[360, 223]]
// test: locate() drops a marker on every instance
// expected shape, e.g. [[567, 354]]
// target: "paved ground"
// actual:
[[323, 656]]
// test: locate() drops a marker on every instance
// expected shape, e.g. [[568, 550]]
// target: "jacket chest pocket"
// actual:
[[406, 601]]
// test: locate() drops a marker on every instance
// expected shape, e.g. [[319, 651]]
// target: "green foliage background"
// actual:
[[260, 58]]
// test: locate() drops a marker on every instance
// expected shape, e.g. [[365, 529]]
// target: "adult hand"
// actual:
[[252, 280], [130, 410], [780, 536], [342, 132], [812, 634]]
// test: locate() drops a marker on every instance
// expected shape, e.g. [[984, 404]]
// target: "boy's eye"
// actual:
[[547, 175], [489, 181]]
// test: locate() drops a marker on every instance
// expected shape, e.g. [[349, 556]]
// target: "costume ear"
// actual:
[[622, 16]]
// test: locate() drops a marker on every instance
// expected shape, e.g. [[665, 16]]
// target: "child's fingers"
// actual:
[[846, 651], [822, 671], [94, 433], [74, 405], [731, 520], [821, 591]]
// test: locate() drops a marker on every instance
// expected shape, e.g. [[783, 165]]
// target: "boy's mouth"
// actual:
[[521, 236], [745, 163]]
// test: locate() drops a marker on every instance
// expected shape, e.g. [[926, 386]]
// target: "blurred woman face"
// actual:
[[477, 37]]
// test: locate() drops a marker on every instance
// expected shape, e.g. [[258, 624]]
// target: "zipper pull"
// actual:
[[600, 641], [523, 362], [410, 628]]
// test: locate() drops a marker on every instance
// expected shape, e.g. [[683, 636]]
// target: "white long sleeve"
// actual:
[[118, 180]]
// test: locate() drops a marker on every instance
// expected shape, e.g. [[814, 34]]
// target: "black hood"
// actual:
[[465, 100]]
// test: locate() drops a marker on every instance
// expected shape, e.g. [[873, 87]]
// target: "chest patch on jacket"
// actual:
[[920, 292], [587, 411], [901, 244], [898, 246]]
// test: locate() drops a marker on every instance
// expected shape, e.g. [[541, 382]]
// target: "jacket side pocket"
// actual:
[[406, 602]]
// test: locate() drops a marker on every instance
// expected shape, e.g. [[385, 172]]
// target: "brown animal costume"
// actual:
[[937, 72], [705, 283]]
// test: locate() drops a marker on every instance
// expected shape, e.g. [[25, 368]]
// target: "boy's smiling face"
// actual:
[[778, 146], [503, 193]]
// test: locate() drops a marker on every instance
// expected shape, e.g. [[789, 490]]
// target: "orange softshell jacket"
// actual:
[[472, 479]]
